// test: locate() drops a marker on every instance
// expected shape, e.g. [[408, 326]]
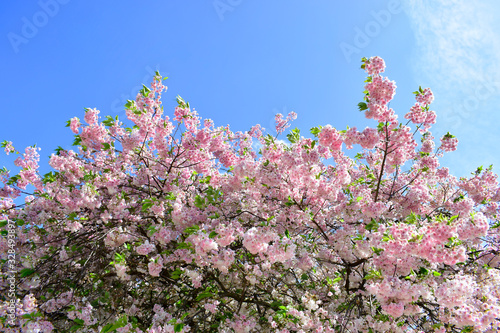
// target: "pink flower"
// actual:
[[90, 117], [369, 138], [211, 307], [449, 143], [63, 255], [394, 309], [282, 124], [380, 90], [74, 124], [145, 249], [330, 137], [426, 97], [202, 243], [155, 266], [255, 241], [374, 66], [121, 271], [9, 148]]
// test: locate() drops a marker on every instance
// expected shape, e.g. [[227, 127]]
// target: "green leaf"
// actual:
[[206, 180], [294, 136], [184, 245], [460, 197], [170, 196], [199, 202], [152, 230], [416, 238], [191, 230], [372, 226], [454, 217], [453, 241], [26, 272], [13, 180], [106, 328], [373, 274], [275, 304], [114, 326], [145, 91], [3, 223], [337, 279], [119, 258], [79, 321], [449, 136], [146, 205], [213, 234], [109, 121], [316, 130], [129, 104], [49, 177], [75, 327], [287, 234], [181, 102], [423, 271], [435, 273], [411, 219], [203, 295], [176, 274], [58, 150], [178, 327], [32, 315], [362, 106], [77, 140]]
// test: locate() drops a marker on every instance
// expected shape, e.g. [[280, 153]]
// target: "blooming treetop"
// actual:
[[176, 225]]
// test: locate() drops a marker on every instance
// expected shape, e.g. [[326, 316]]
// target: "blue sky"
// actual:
[[240, 62]]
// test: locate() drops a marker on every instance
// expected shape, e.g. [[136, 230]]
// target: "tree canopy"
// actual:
[[177, 225]]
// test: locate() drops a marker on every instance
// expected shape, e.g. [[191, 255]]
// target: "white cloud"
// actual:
[[455, 39], [458, 56]]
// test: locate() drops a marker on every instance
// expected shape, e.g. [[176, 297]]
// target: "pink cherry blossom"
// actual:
[[176, 224], [375, 66]]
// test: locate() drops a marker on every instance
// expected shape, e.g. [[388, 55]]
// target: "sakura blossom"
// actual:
[[168, 222]]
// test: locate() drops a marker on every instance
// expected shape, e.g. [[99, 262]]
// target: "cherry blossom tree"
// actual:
[[177, 225]]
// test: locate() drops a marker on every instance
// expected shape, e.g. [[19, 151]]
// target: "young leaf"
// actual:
[[362, 106]]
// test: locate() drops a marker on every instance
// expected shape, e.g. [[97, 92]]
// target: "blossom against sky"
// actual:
[[240, 62]]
